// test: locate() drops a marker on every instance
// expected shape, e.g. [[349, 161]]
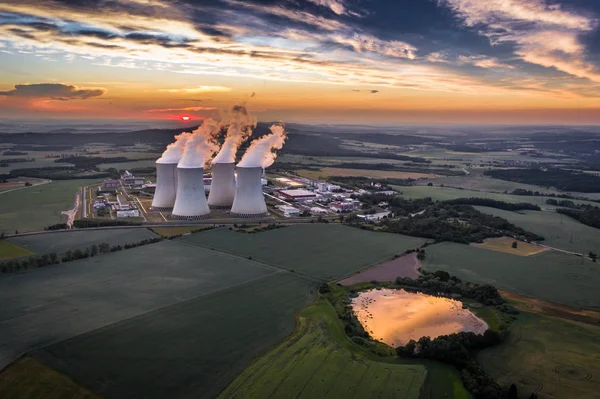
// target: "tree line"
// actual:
[[492, 203], [37, 261], [564, 180]]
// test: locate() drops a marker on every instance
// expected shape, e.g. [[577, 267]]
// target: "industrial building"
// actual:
[[297, 194], [123, 202], [111, 184], [166, 187], [249, 200], [190, 202], [288, 211]]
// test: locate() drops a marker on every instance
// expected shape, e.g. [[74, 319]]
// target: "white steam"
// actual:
[[201, 146], [240, 124], [261, 152], [174, 150]]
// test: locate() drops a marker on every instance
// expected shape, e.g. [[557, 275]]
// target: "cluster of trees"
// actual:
[[84, 223], [243, 228], [521, 191], [62, 173], [468, 148], [83, 162], [565, 180], [366, 183], [13, 153], [36, 261], [441, 282], [456, 223], [397, 168], [564, 203], [7, 162], [492, 203], [586, 214]]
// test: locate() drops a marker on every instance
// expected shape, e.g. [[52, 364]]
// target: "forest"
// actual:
[[561, 179]]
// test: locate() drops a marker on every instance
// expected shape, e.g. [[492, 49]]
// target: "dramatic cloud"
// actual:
[[200, 89], [437, 56], [186, 109], [482, 61], [262, 151], [337, 6], [53, 91], [544, 34]]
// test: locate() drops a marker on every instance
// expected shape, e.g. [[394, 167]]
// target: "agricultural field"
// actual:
[[556, 358], [27, 378], [330, 366], [34, 208], [559, 231], [37, 163], [374, 174], [404, 266], [505, 244], [9, 250], [57, 302], [148, 163], [63, 241], [552, 276], [324, 251], [437, 193], [193, 349]]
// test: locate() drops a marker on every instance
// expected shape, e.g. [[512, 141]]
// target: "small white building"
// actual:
[[289, 211], [315, 210], [375, 216], [132, 213]]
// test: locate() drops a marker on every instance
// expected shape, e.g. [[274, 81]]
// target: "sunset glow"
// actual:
[[501, 61], [185, 118]]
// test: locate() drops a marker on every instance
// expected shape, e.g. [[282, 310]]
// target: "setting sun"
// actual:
[[185, 118]]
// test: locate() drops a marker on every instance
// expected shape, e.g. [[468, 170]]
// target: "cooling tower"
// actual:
[[191, 199], [222, 187], [166, 187], [249, 200]]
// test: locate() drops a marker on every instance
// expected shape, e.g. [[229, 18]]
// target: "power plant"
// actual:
[[191, 200], [222, 188], [166, 186], [180, 170], [249, 200]]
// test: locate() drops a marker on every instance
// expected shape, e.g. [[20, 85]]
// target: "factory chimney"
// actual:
[[249, 200], [166, 174], [199, 149]]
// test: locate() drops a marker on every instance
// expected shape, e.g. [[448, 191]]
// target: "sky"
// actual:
[[311, 61]]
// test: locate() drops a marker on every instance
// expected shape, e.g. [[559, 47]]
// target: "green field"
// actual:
[[34, 208], [8, 250], [551, 276], [437, 193], [559, 231], [61, 242], [29, 379], [324, 251], [319, 361], [554, 357], [129, 165], [191, 349], [37, 163]]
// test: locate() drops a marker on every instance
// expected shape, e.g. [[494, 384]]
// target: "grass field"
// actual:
[[505, 244], [319, 361], [559, 231], [27, 378], [375, 174], [58, 302], [9, 250], [326, 368], [553, 357], [551, 276], [61, 242], [324, 251], [131, 164], [34, 208], [193, 349], [437, 193]]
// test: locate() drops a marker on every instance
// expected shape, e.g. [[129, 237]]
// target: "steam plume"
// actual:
[[262, 151], [174, 150], [240, 126], [200, 146]]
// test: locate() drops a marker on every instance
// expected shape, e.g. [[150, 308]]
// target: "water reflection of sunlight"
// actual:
[[397, 316]]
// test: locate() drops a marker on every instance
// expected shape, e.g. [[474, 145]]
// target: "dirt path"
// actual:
[[39, 183], [71, 213]]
